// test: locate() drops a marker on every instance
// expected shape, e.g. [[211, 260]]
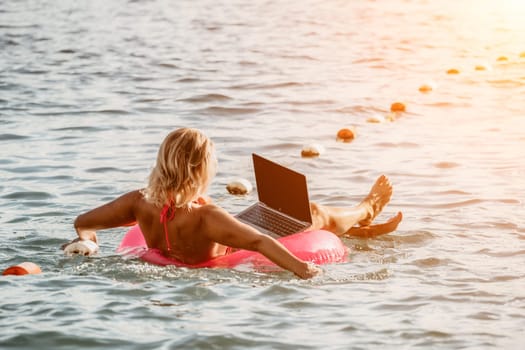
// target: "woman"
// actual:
[[175, 217]]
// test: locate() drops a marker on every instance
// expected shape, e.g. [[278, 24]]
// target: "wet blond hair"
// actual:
[[185, 166]]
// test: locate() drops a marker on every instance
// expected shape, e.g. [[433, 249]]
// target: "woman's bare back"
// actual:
[[183, 238]]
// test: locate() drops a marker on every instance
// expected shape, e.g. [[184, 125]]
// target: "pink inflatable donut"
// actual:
[[319, 247]]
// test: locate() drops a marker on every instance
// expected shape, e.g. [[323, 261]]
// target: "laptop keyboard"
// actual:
[[271, 221]]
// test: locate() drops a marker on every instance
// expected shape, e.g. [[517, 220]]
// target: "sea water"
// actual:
[[89, 89]]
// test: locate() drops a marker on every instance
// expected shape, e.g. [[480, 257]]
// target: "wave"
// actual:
[[35, 169], [398, 145], [310, 102], [188, 80], [82, 112], [167, 65], [226, 111], [501, 254], [28, 195], [79, 128], [106, 170], [206, 98], [259, 86], [358, 109], [12, 137], [506, 83], [299, 57]]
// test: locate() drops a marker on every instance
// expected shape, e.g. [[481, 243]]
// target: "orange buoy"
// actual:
[[312, 150], [502, 59], [25, 268], [425, 88], [522, 55], [398, 107], [453, 71], [481, 67], [345, 135]]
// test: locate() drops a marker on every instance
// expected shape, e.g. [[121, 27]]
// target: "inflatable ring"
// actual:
[[319, 247]]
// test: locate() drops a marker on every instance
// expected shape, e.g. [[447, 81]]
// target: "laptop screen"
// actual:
[[282, 189]]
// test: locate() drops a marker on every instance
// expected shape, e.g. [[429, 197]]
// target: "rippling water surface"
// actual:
[[89, 89]]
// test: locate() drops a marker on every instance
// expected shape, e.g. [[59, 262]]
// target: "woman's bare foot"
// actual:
[[375, 230], [378, 197]]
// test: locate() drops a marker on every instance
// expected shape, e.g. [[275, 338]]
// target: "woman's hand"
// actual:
[[310, 270]]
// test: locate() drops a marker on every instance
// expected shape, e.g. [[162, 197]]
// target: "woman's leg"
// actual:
[[341, 220]]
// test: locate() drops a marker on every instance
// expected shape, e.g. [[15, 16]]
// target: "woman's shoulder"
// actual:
[[209, 207], [137, 199], [211, 213], [205, 209], [135, 195]]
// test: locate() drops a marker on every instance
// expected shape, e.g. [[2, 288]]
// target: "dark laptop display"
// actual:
[[283, 206]]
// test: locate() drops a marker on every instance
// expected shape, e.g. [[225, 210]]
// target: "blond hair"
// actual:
[[185, 165]]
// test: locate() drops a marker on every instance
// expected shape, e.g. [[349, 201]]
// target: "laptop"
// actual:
[[283, 206]]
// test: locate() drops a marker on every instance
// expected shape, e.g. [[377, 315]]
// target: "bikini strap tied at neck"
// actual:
[[167, 214]]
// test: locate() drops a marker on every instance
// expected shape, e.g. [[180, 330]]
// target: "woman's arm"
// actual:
[[223, 228], [119, 212]]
